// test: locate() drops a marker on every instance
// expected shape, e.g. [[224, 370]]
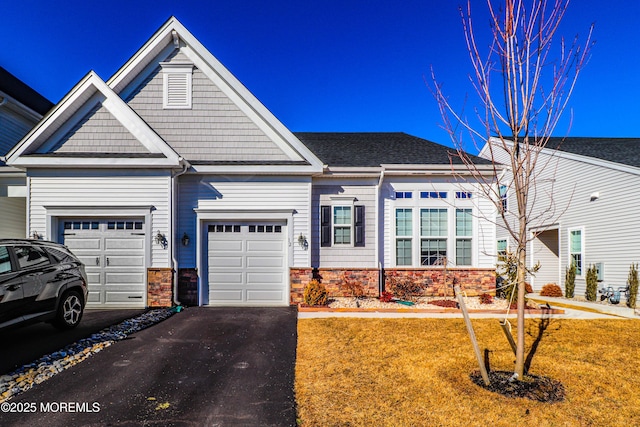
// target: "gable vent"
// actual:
[[177, 85]]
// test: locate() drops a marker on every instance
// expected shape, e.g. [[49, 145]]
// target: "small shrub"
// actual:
[[551, 290], [386, 296], [405, 288], [486, 299], [527, 288], [592, 283], [507, 270], [570, 281], [352, 287], [632, 283], [315, 293]]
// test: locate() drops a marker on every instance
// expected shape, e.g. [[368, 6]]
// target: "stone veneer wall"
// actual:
[[473, 281], [159, 287]]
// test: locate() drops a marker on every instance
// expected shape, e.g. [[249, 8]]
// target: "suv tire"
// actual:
[[69, 311]]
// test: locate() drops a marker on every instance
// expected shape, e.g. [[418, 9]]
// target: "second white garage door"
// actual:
[[113, 253], [248, 264]]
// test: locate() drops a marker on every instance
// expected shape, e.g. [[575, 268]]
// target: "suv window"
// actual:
[[29, 257], [5, 261]]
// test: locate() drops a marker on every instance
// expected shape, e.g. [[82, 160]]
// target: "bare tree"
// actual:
[[523, 81]]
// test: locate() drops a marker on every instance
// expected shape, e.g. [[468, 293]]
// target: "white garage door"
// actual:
[[113, 253], [247, 264]]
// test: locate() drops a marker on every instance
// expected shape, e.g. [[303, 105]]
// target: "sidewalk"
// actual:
[[617, 310]]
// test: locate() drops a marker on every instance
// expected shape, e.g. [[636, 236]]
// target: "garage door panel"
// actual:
[[265, 261], [226, 296], [264, 296], [223, 261], [265, 245], [264, 278], [117, 278], [123, 297], [125, 261], [222, 278], [80, 244], [123, 243], [225, 245], [94, 297]]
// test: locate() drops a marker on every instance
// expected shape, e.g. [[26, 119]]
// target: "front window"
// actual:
[[342, 224], [433, 233], [503, 198], [404, 232], [502, 248], [464, 233], [575, 249]]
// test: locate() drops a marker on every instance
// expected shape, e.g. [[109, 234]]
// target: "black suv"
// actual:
[[40, 281]]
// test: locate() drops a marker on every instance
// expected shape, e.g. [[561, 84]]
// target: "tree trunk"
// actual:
[[522, 256]]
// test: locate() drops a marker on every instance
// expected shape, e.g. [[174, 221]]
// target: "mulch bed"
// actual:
[[532, 387]]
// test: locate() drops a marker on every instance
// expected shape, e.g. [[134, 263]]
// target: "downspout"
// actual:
[[174, 231], [380, 270]]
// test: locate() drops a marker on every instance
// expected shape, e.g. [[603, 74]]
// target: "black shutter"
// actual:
[[325, 225], [359, 225]]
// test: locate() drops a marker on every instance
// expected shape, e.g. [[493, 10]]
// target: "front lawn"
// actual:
[[415, 372]]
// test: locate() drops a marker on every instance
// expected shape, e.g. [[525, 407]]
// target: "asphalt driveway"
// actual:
[[200, 367]]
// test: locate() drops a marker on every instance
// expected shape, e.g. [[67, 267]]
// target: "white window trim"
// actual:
[[409, 237], [446, 237], [171, 69], [349, 226], [582, 249], [470, 237]]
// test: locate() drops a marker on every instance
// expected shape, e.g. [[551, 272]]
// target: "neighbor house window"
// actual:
[[464, 233], [576, 249], [503, 198], [433, 236], [404, 233], [502, 247], [177, 85], [342, 225]]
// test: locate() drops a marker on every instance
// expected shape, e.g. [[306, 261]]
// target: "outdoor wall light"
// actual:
[[35, 235], [595, 196], [160, 239], [302, 241], [185, 239]]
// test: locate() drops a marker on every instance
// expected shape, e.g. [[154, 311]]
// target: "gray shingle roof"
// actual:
[[372, 149], [625, 151], [16, 89]]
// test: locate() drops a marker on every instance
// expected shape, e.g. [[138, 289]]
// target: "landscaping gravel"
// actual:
[[473, 303], [27, 376]]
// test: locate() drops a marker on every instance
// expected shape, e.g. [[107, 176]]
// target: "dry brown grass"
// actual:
[[415, 372]]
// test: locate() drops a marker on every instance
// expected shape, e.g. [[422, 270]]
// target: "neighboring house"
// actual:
[[172, 176], [586, 188], [21, 108]]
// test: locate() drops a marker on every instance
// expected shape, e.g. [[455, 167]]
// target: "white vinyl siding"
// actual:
[[251, 195], [106, 190], [214, 128], [360, 192]]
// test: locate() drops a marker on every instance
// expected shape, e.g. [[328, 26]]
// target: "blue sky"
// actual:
[[323, 65]]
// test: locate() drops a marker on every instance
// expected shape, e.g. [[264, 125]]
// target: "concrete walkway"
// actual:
[[596, 308]]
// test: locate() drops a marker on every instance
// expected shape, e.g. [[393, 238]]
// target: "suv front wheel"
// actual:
[[70, 311]]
